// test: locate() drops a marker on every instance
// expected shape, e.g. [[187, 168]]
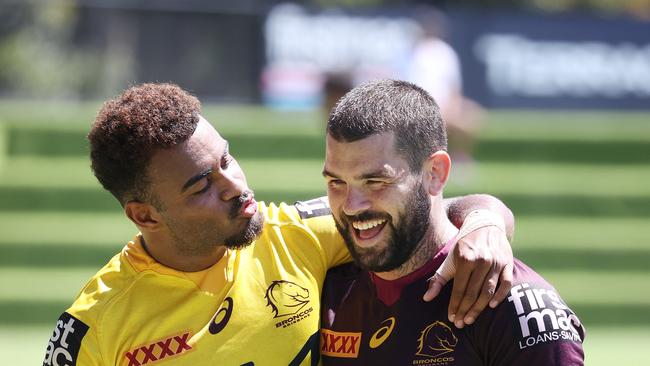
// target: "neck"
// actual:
[[164, 250], [439, 232]]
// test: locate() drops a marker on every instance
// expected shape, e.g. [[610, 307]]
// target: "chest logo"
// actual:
[[436, 339], [288, 301], [286, 298], [382, 333]]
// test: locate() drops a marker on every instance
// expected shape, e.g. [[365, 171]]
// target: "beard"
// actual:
[[405, 234], [253, 227]]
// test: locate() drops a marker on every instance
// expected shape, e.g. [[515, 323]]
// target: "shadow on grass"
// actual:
[[68, 256], [579, 259], [74, 199], [51, 142]]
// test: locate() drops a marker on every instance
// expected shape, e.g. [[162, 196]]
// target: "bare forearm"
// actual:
[[459, 207]]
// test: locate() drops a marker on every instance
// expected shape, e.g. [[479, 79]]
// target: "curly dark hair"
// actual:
[[130, 128]]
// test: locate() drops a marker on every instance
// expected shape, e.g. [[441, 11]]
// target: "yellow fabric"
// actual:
[[139, 307]]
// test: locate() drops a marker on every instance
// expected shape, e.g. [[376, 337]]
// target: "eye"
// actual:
[[335, 183], [208, 184], [374, 183]]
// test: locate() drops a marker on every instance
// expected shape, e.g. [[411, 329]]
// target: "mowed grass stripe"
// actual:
[[604, 345], [594, 287], [81, 228], [566, 125], [25, 228], [62, 284], [27, 142], [569, 258], [54, 284], [72, 116], [305, 174], [46, 312], [79, 200], [63, 255], [617, 345], [254, 119]]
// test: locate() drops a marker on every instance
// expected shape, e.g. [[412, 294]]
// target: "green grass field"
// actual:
[[579, 184]]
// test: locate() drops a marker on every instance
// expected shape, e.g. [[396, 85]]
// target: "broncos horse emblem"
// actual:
[[436, 339], [286, 298]]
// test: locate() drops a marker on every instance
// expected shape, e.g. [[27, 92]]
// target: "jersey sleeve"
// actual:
[[317, 216], [535, 326], [73, 342]]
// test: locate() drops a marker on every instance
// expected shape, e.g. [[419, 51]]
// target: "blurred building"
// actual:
[[514, 54]]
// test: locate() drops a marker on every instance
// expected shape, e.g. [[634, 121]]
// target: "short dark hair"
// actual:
[[130, 128], [391, 106]]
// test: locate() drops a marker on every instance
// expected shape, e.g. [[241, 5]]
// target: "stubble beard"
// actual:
[[405, 234]]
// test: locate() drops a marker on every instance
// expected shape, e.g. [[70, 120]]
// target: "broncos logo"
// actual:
[[436, 340], [286, 298]]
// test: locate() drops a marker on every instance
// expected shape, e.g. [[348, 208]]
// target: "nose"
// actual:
[[231, 186], [355, 202]]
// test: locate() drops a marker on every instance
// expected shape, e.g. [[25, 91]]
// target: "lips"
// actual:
[[249, 208]]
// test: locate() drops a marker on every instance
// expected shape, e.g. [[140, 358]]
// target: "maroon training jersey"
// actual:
[[369, 321]]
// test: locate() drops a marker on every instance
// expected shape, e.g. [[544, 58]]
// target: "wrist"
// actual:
[[478, 219]]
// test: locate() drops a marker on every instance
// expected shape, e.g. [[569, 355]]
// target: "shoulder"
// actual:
[[536, 323], [308, 212], [80, 323], [108, 283], [305, 220]]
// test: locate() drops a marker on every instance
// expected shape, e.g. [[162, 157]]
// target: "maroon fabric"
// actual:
[[533, 326], [389, 291]]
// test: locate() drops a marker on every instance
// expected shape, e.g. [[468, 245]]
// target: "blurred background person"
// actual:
[[435, 66]]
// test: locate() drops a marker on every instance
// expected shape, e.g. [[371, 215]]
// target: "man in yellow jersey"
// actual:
[[213, 277]]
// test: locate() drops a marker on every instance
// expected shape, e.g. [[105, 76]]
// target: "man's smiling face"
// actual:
[[379, 204]]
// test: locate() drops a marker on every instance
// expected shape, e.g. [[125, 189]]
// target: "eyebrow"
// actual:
[[327, 173], [381, 173], [190, 182]]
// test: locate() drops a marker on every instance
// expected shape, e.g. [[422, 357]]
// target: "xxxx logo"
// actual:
[[339, 344], [158, 350]]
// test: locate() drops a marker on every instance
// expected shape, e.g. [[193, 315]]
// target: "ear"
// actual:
[[143, 215], [437, 169]]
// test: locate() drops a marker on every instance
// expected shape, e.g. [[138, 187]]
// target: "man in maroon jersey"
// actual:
[[386, 165]]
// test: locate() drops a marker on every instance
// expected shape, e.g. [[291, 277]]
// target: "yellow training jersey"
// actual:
[[256, 306]]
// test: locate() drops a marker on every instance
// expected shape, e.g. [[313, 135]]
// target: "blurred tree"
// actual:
[[37, 58]]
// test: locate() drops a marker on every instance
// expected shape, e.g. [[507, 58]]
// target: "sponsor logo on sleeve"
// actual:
[[159, 350], [436, 345], [543, 316], [313, 208], [222, 316], [65, 342], [339, 344], [288, 301]]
